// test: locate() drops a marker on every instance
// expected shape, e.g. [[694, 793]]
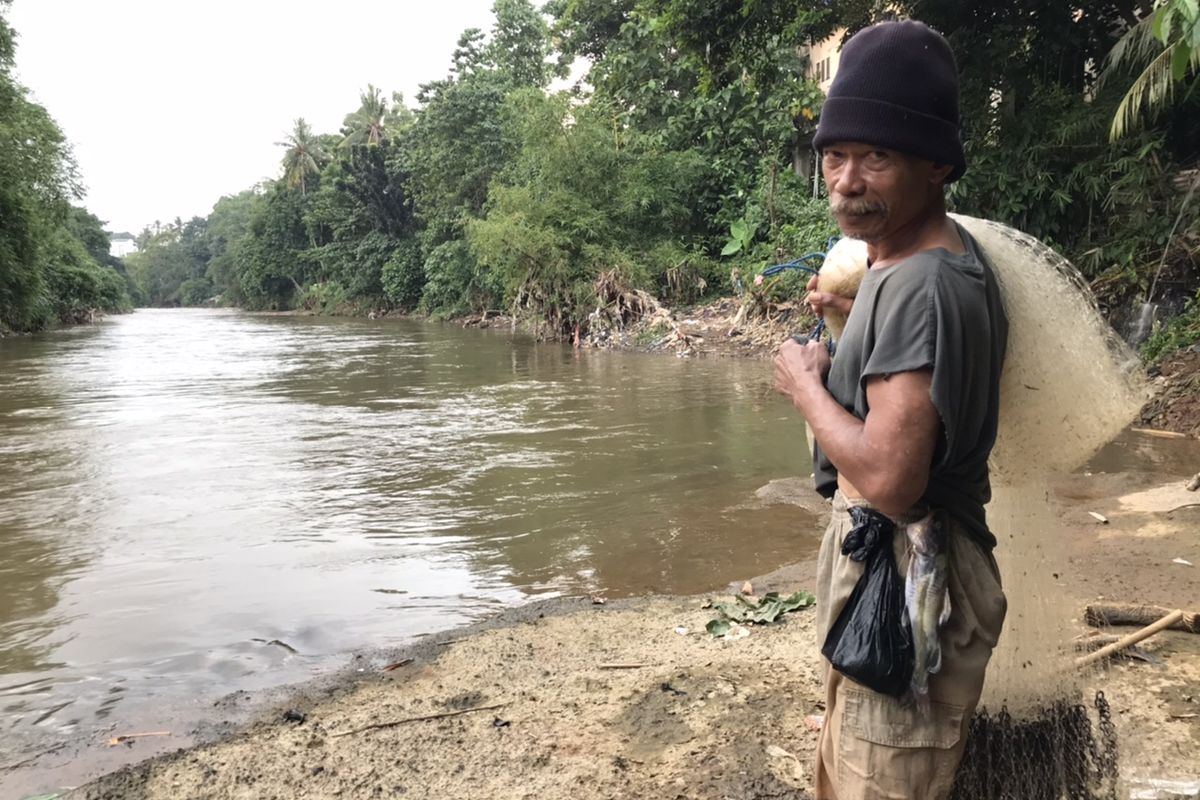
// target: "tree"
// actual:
[[1166, 46], [304, 156], [520, 44], [89, 230], [51, 255], [364, 210], [468, 54], [549, 232], [366, 125], [399, 115], [725, 79], [271, 261], [172, 268], [228, 227], [586, 27]]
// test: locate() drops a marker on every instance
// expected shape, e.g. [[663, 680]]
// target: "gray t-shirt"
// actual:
[[936, 310]]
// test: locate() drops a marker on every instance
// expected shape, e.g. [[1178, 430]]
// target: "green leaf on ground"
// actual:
[[718, 627], [765, 610]]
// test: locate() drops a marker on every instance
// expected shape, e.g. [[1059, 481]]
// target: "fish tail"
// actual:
[[921, 699]]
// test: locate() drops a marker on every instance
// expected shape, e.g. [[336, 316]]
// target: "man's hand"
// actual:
[[819, 301], [799, 366]]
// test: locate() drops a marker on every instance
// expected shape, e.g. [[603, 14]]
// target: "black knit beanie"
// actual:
[[896, 87]]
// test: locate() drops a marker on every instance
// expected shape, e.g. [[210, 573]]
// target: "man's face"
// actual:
[[874, 191]]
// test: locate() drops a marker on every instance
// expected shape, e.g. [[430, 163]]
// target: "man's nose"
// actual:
[[848, 181]]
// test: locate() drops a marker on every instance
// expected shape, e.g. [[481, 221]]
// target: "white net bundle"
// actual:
[[1069, 384]]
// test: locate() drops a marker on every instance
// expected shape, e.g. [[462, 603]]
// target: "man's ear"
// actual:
[[940, 172]]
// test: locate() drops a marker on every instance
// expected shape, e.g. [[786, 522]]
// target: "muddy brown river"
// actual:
[[196, 502]]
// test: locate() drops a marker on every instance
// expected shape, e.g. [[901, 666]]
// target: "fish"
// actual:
[[927, 600]]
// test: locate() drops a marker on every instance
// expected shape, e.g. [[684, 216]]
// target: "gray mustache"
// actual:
[[855, 207]]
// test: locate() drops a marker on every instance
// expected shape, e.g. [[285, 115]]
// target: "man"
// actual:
[[905, 415]]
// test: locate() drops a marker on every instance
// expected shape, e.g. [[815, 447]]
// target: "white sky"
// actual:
[[171, 104]]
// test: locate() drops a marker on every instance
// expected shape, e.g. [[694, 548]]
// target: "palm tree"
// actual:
[[366, 125], [1164, 51], [304, 155]]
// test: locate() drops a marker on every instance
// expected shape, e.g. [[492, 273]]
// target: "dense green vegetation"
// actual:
[[54, 262], [498, 194], [682, 155]]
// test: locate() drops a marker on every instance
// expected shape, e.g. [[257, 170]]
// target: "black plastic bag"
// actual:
[[870, 642]]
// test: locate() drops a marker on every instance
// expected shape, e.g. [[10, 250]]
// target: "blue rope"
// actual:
[[797, 264]]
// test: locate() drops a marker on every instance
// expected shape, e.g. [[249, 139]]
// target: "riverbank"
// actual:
[[721, 329], [77, 319], [574, 699], [1175, 406]]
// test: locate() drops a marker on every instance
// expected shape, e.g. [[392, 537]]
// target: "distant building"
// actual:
[[823, 59], [121, 244]]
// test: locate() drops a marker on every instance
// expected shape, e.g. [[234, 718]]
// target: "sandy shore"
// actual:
[[596, 701], [569, 699]]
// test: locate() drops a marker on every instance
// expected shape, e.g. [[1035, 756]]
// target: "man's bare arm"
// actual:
[[886, 457]]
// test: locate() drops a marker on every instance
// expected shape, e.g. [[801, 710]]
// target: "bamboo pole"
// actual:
[[1131, 639]]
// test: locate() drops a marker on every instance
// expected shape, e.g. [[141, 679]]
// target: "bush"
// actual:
[[75, 285], [361, 268], [684, 275], [455, 283], [195, 292], [327, 297], [805, 226], [404, 276], [114, 291], [1180, 332], [582, 200]]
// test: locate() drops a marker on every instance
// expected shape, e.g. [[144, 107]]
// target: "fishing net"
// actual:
[[1069, 386], [1044, 754]]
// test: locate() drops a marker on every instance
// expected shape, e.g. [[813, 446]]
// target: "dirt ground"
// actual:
[[570, 699]]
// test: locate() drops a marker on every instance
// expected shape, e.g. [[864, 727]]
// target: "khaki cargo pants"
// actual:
[[873, 746]]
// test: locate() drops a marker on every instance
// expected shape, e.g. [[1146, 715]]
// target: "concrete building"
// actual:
[[121, 244], [823, 59]]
